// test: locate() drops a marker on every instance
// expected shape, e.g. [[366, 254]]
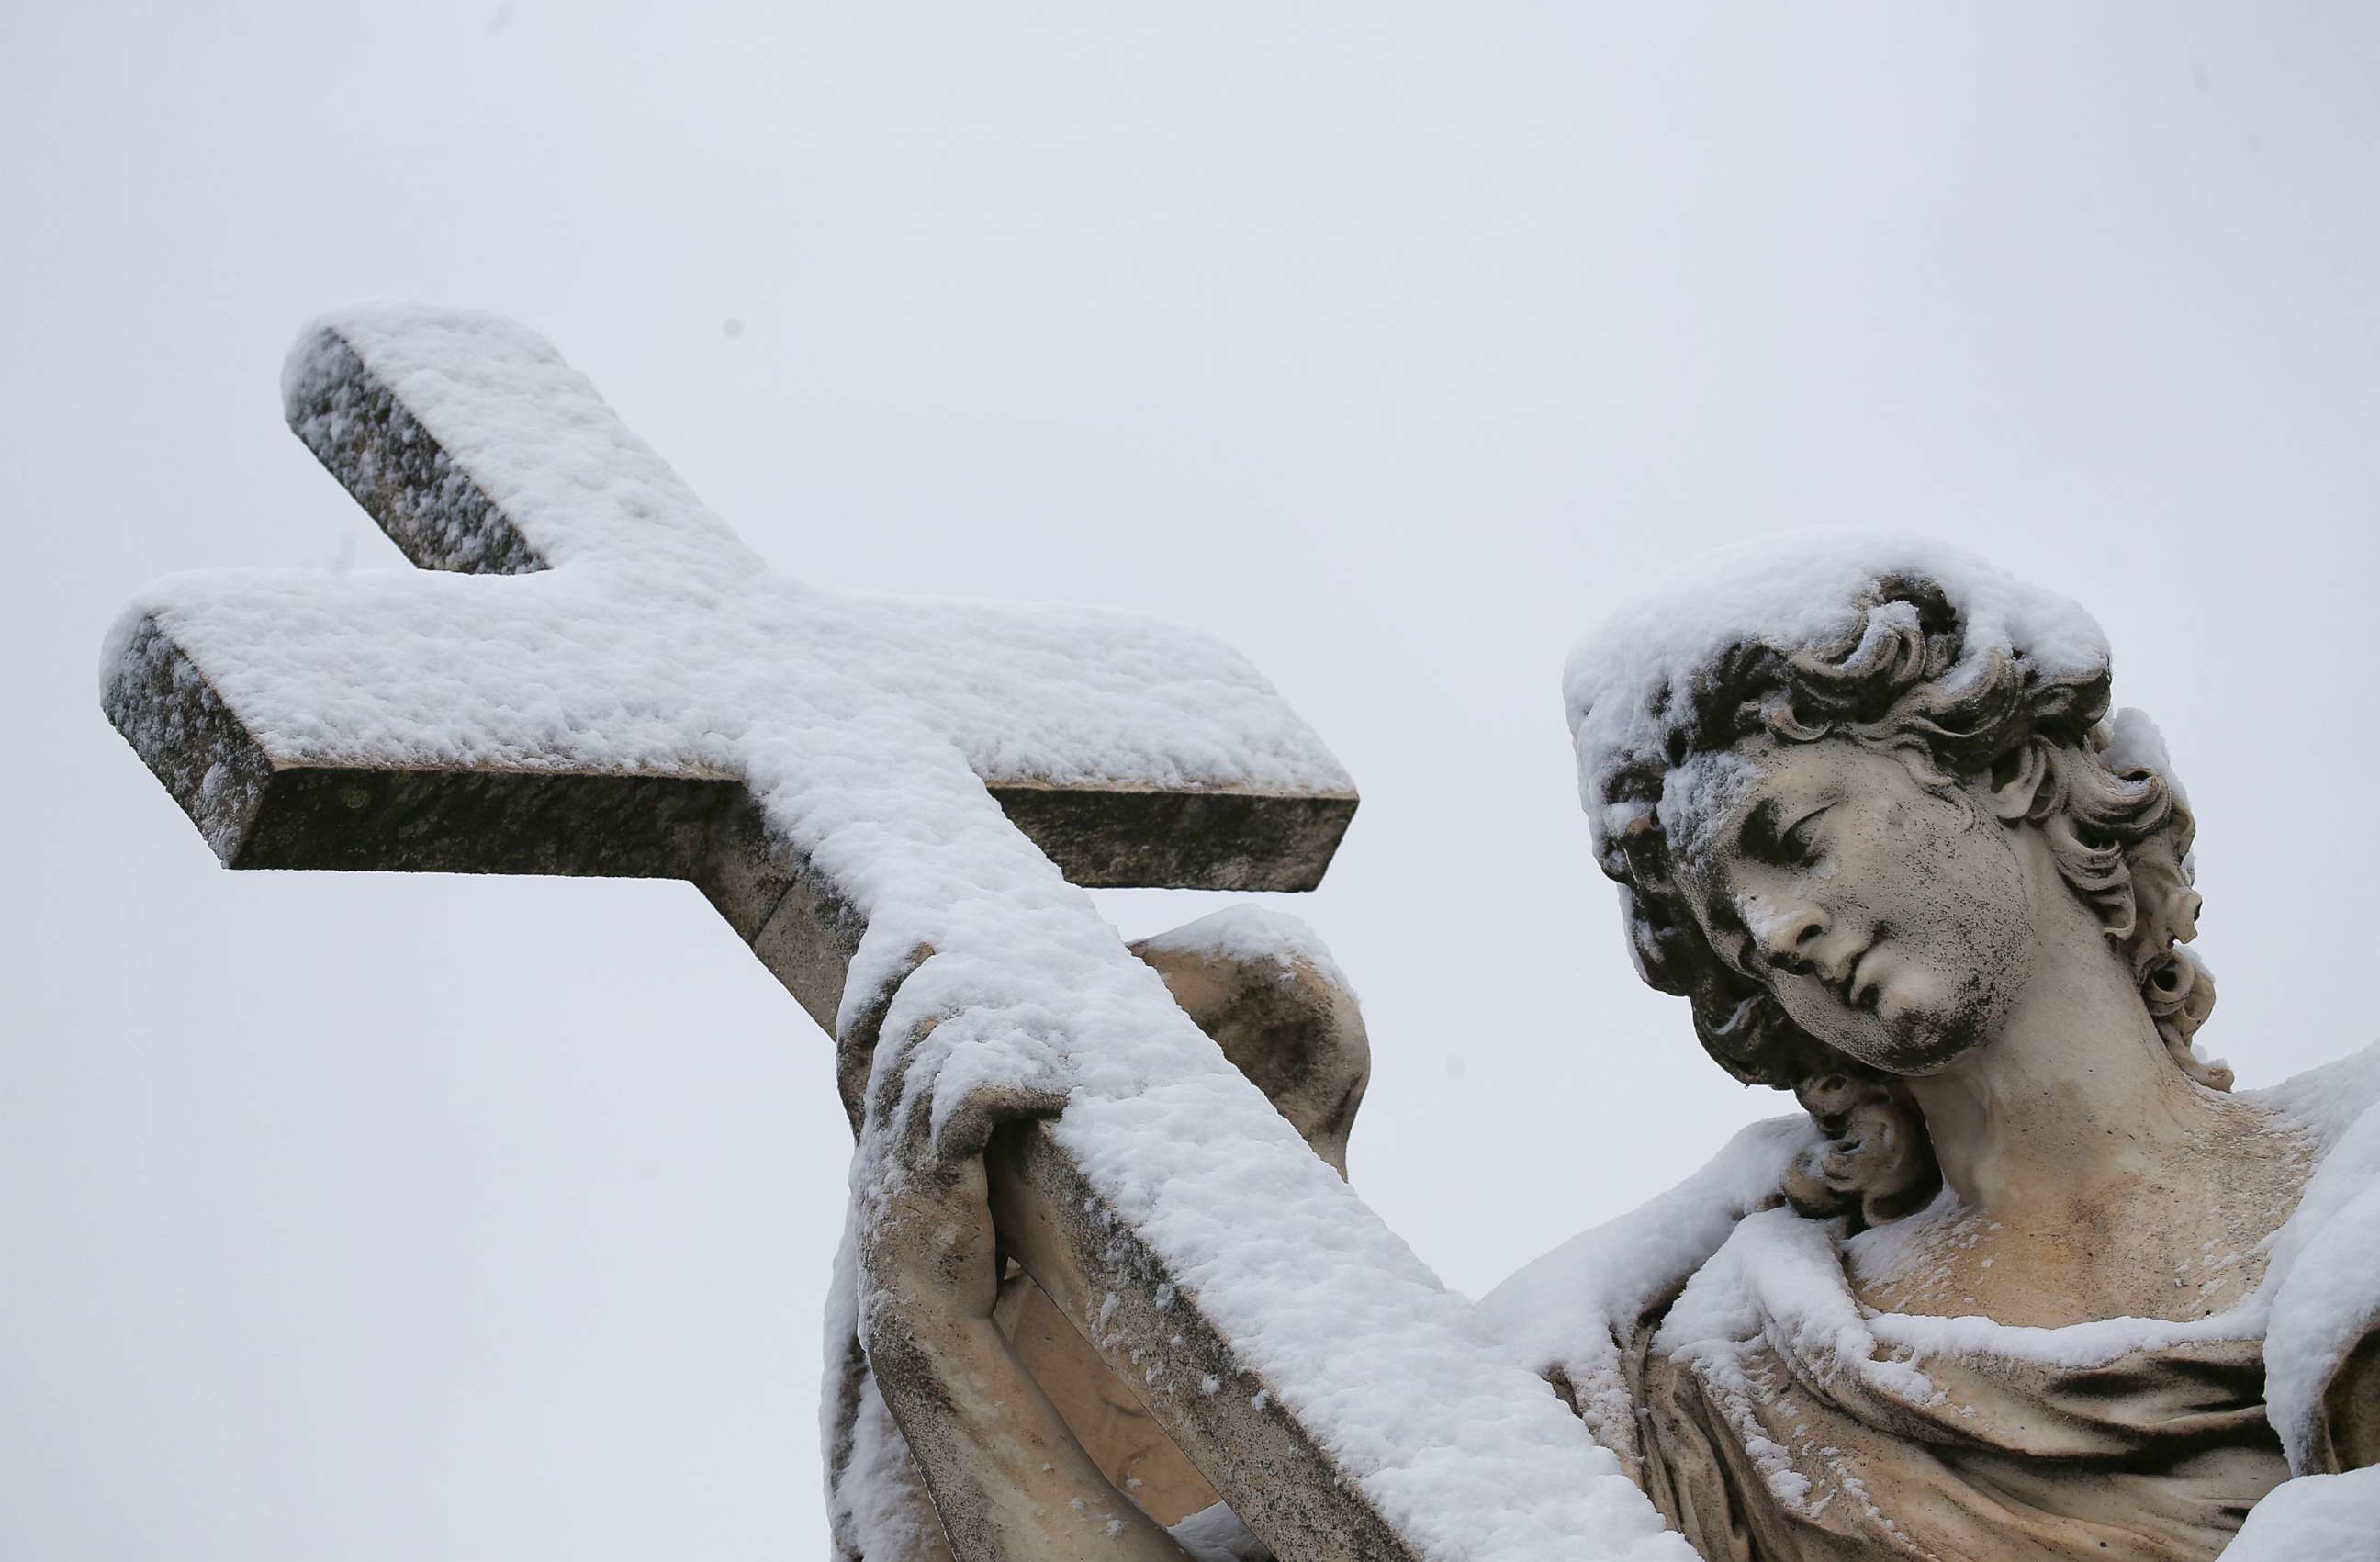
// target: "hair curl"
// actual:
[[1900, 681]]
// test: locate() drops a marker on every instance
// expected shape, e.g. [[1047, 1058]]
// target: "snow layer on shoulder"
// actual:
[[2321, 1295], [2327, 1100], [1569, 1310]]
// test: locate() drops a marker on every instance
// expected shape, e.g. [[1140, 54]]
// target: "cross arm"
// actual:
[[284, 714], [305, 722], [478, 449]]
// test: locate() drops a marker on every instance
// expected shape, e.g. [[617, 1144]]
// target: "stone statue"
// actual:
[[2024, 1280]]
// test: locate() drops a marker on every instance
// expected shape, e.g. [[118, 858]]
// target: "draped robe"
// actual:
[[1716, 1347]]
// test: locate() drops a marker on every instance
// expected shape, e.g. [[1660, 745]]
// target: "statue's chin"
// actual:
[[1906, 1034], [1926, 1045]]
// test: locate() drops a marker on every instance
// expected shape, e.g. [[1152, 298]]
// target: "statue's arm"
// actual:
[[999, 1458]]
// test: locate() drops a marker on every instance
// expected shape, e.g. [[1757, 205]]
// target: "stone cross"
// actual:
[[595, 677]]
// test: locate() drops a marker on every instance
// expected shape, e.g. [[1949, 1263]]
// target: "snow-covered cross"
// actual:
[[590, 674]]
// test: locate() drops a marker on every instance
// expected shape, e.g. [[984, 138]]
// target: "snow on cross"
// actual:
[[591, 675]]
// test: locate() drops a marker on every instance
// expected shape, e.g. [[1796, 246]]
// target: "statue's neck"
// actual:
[[2074, 1098]]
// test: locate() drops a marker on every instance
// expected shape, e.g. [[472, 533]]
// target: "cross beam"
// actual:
[[591, 675]]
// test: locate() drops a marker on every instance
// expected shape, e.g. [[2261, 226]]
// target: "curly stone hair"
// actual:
[[1901, 679]]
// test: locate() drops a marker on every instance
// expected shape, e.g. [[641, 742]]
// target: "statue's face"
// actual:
[[1891, 919]]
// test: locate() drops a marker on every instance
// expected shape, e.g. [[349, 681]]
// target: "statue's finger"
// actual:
[[855, 1043], [962, 1127]]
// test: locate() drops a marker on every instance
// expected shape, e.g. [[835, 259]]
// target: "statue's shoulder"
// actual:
[[2322, 1287], [2327, 1101], [1576, 1305]]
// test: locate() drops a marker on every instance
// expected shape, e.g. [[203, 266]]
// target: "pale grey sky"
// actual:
[[387, 1218]]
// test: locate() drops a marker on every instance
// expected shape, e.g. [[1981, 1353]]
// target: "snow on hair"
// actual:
[[1903, 674]]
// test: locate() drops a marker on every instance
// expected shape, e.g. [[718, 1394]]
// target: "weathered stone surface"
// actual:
[[1121, 838], [370, 441]]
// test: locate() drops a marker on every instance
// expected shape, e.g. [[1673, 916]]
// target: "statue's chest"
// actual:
[[2151, 1254]]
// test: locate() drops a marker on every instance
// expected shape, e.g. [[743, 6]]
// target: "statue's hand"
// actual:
[[927, 1254], [928, 1257]]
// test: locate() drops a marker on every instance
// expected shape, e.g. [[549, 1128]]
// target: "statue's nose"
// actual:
[[1788, 931]]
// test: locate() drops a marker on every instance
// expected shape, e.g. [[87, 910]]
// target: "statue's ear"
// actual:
[[2016, 778]]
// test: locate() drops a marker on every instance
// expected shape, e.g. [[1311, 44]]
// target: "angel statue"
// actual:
[[2024, 1278]]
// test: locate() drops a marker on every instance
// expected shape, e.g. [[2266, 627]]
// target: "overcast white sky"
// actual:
[[386, 1219]]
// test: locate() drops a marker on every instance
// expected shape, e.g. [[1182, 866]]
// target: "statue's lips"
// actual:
[[1864, 985]]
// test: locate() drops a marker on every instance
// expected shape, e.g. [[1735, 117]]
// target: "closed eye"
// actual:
[[1801, 842]]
